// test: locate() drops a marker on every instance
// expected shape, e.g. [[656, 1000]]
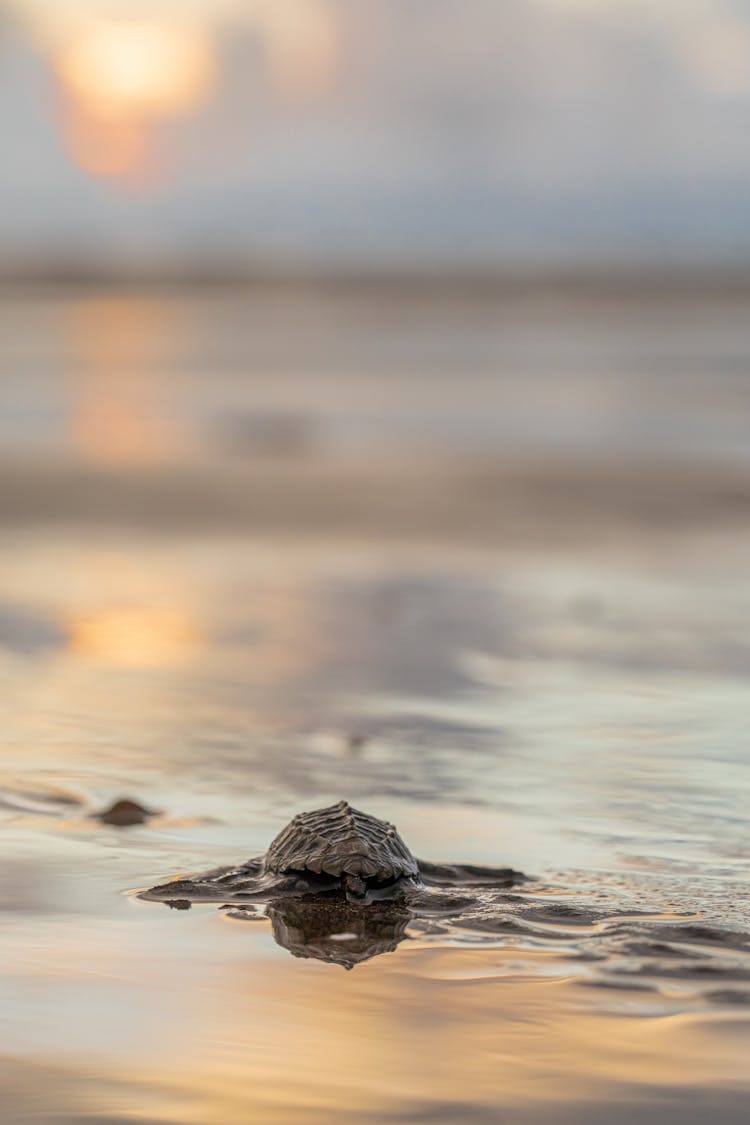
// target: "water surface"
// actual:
[[561, 688]]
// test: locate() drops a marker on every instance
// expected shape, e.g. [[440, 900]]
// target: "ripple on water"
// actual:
[[529, 930]]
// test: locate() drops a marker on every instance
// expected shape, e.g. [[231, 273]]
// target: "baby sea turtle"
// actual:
[[338, 851], [339, 885], [367, 855]]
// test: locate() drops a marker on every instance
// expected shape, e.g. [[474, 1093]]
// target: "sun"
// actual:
[[125, 69], [152, 69], [119, 81]]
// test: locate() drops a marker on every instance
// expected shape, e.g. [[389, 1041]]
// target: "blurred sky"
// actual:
[[374, 133]]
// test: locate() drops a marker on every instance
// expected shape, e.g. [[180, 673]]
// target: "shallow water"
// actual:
[[572, 706]]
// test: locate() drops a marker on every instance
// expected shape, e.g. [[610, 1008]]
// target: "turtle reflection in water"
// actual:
[[340, 932], [338, 885]]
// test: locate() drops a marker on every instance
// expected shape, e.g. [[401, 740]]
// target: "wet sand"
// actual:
[[406, 499], [521, 657]]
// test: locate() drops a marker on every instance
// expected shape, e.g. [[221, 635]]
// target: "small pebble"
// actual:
[[124, 813]]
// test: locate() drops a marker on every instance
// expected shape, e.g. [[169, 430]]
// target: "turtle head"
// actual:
[[355, 887]]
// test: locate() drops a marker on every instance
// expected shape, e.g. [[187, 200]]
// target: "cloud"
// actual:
[[555, 130]]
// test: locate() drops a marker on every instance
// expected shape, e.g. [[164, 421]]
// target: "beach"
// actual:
[[478, 566]]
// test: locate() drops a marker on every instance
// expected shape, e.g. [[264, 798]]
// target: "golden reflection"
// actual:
[[134, 636], [129, 615], [403, 1044], [258, 1038], [119, 413]]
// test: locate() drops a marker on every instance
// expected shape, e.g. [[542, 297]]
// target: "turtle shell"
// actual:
[[340, 840]]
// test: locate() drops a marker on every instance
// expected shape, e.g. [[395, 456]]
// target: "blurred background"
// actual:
[[374, 423], [316, 275], [248, 229], [208, 137]]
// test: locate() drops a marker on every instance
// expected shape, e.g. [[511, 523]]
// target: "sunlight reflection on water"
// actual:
[[574, 709]]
